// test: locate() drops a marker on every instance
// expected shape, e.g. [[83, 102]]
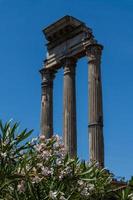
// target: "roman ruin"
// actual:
[[69, 39]]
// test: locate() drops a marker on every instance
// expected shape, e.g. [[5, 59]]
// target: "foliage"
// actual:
[[42, 170]]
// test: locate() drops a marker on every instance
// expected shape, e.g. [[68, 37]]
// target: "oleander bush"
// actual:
[[41, 169]]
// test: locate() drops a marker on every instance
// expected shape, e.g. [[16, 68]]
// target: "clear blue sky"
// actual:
[[22, 50]]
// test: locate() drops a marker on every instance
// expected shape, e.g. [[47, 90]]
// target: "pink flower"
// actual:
[[53, 195], [21, 187], [42, 137]]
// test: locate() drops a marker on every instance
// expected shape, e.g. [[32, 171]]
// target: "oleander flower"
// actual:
[[42, 169], [21, 187], [53, 195]]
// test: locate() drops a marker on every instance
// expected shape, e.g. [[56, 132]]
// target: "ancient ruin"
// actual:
[[69, 39]]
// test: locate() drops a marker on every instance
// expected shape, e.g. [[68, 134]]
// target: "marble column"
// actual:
[[47, 103], [69, 114], [96, 140]]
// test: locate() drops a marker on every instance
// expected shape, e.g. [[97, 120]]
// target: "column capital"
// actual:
[[47, 76], [69, 65], [94, 52]]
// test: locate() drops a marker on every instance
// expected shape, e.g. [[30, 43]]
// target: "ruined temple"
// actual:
[[69, 39]]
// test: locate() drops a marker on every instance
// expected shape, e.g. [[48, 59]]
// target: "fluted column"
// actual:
[[69, 115], [47, 103], [96, 140]]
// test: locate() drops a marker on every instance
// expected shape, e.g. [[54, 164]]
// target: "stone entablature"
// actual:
[[68, 37]]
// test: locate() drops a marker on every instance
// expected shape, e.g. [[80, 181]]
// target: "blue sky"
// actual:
[[22, 50]]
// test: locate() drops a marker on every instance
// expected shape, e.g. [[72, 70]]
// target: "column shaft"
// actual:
[[96, 141], [47, 103], [69, 126]]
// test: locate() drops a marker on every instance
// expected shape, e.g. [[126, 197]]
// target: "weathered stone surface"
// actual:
[[69, 115], [96, 142], [47, 103], [66, 38]]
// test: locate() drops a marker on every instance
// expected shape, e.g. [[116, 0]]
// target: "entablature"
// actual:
[[68, 37]]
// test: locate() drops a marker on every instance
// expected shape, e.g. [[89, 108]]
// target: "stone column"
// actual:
[[69, 126], [96, 140], [47, 103]]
